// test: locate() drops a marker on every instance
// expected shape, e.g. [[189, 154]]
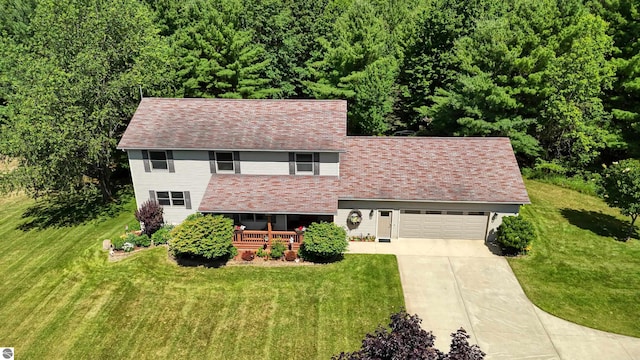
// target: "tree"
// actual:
[[207, 236], [620, 187], [74, 86], [358, 63], [405, 339], [218, 59], [534, 74]]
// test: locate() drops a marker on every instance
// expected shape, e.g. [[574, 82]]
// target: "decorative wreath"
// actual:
[[355, 217]]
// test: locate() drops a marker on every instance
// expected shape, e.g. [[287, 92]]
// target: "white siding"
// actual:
[[329, 164], [264, 163], [191, 174]]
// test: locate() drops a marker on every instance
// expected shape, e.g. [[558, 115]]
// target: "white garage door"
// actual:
[[443, 225]]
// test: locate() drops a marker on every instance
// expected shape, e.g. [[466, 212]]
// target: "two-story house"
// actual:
[[275, 165]]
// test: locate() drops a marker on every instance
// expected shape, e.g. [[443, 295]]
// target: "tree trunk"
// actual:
[[104, 182]]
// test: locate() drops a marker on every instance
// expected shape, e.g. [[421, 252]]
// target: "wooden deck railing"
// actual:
[[254, 239]]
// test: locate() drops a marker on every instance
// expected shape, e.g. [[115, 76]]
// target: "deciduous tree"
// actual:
[[620, 187]]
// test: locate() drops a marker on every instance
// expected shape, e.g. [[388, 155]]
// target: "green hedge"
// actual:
[[324, 241], [210, 237]]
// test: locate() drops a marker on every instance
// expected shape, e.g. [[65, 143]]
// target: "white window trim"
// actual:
[[298, 172], [166, 161], [171, 199], [233, 163]]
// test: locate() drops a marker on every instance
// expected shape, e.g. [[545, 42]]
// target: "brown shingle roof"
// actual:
[[431, 169], [223, 124], [271, 194]]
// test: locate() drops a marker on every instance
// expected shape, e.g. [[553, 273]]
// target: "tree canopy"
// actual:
[[559, 78]]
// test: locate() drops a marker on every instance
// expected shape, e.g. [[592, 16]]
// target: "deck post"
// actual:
[[269, 228]]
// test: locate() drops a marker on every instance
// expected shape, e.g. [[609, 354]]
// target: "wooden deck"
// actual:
[[255, 239]]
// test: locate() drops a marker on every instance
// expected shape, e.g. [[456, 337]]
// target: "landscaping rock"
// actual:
[[106, 244]]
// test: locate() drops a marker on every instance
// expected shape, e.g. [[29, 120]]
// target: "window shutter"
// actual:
[[170, 161], [236, 162], [292, 163], [152, 195], [187, 199], [316, 163], [145, 160], [212, 162]]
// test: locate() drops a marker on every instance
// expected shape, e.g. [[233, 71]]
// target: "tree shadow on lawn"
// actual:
[[71, 210], [599, 223]]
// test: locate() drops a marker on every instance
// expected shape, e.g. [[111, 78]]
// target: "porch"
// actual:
[[255, 239]]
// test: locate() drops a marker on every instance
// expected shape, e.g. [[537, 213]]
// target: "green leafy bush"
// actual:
[[163, 235], [210, 237], [515, 234], [277, 249], [261, 253], [118, 242], [142, 240], [127, 247], [150, 214], [324, 241]]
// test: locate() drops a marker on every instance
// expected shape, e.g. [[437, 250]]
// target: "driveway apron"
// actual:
[[458, 283]]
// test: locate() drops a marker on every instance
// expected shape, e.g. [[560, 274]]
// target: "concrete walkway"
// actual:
[[459, 283]]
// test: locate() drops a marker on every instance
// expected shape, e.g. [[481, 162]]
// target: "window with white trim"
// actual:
[[304, 163], [170, 198], [158, 160], [224, 162]]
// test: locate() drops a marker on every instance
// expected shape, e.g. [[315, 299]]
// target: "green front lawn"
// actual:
[[60, 298], [577, 269]]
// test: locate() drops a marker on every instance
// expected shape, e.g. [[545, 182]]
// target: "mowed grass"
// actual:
[[578, 269], [61, 298]]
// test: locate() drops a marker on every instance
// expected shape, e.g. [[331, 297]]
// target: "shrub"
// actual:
[[248, 255], [194, 216], [207, 236], [261, 253], [277, 249], [405, 339], [150, 215], [143, 240], [118, 242], [163, 235], [127, 247], [515, 234], [290, 255], [324, 241]]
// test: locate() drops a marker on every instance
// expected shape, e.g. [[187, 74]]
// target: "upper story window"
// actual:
[[304, 163], [155, 160], [158, 160], [224, 161]]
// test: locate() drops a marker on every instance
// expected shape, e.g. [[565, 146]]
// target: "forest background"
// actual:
[[560, 78]]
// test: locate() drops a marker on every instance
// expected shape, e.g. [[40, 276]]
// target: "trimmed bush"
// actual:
[[290, 255], [277, 249], [515, 234], [248, 255], [150, 215], [210, 237], [324, 241], [163, 235]]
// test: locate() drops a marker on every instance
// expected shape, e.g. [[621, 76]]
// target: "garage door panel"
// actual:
[[442, 226]]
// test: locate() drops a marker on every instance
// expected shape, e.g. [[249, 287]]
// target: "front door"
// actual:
[[384, 224]]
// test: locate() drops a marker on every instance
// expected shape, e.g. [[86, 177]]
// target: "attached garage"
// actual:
[[468, 225]]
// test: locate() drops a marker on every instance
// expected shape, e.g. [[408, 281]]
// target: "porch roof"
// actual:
[[271, 194]]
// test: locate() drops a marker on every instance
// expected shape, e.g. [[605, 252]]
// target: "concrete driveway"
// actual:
[[460, 283]]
